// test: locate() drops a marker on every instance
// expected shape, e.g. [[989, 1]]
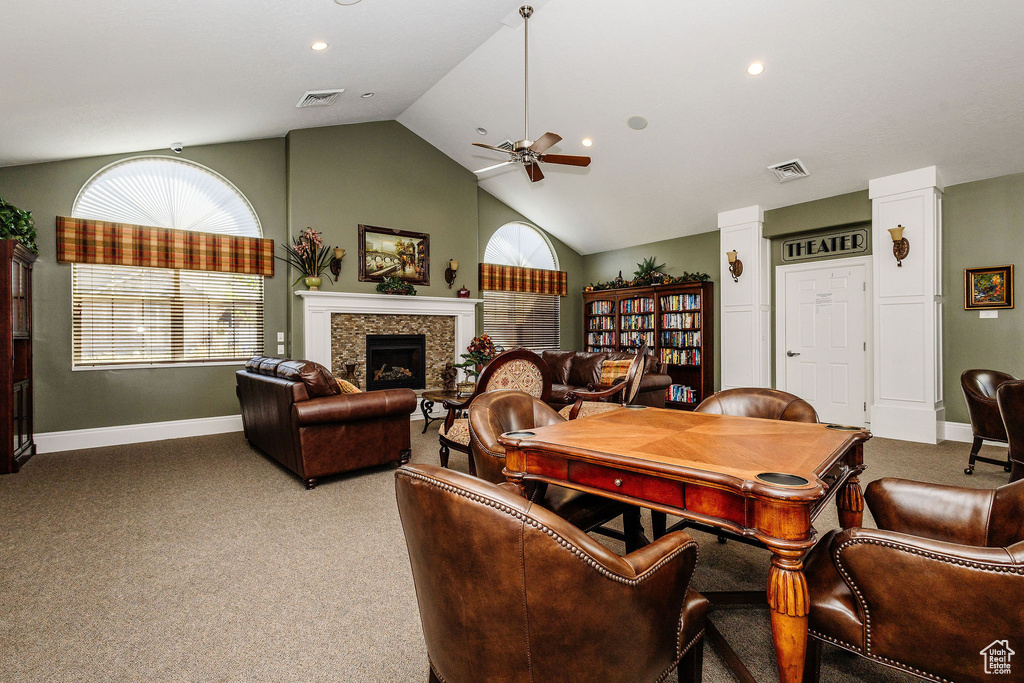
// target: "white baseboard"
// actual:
[[960, 431], [75, 439]]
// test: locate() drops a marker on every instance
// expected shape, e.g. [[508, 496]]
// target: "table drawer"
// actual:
[[626, 483]]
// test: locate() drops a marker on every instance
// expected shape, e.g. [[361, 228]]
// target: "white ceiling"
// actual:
[[857, 90]]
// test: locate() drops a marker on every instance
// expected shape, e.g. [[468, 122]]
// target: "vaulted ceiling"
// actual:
[[856, 90]]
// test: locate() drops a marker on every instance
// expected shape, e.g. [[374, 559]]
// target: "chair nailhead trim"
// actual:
[[679, 658], [891, 663]]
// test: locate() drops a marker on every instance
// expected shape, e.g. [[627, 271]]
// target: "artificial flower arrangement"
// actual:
[[309, 255], [479, 353]]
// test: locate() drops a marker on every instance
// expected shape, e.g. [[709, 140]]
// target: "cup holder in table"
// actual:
[[632, 407], [781, 479], [844, 428], [521, 434]]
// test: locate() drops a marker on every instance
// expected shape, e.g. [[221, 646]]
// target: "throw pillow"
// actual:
[[347, 387], [613, 369]]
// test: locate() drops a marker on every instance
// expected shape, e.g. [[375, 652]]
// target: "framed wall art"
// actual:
[[385, 252], [988, 287]]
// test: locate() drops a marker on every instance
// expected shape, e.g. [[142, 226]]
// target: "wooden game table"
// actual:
[[762, 480]]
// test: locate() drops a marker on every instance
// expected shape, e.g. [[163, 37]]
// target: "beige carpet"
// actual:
[[200, 560]]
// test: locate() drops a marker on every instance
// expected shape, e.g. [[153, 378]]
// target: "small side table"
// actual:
[[429, 398]]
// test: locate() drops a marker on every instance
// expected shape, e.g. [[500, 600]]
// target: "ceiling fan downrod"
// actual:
[[526, 12]]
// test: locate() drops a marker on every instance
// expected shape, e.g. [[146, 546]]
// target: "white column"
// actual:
[[745, 304], [907, 402]]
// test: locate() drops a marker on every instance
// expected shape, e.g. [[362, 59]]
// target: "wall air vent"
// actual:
[[319, 98], [789, 170]]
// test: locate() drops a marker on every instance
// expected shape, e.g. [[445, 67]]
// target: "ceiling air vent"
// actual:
[[319, 98], [507, 144], [789, 170]]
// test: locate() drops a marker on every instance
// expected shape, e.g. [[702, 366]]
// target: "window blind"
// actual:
[[517, 319], [125, 316]]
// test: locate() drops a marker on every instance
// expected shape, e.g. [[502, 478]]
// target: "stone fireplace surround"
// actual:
[[319, 309]]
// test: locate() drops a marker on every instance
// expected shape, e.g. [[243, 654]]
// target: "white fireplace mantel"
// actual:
[[317, 308]]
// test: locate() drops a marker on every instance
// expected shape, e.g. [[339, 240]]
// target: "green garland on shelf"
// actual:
[[648, 273]]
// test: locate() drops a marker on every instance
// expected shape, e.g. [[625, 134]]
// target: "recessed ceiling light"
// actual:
[[366, 95], [637, 122], [587, 142], [347, 2], [482, 131], [319, 45], [755, 69]]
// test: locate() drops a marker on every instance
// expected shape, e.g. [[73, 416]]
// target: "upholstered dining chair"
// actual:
[[1010, 397], [497, 412], [979, 387], [935, 587], [593, 401], [519, 369], [536, 600], [767, 404]]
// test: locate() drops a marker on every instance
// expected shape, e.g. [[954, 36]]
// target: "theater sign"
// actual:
[[844, 242]]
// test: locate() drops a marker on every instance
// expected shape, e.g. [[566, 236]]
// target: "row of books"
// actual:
[[686, 321], [680, 393], [680, 302], [680, 356], [637, 322], [600, 307], [601, 323], [601, 349], [635, 339], [637, 306], [680, 338], [601, 338]]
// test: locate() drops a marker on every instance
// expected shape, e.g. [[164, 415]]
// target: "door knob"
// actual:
[[792, 353]]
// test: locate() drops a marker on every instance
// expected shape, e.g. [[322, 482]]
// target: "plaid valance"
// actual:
[[82, 240], [516, 279]]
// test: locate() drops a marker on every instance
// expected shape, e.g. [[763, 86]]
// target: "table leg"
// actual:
[[850, 501], [789, 602], [426, 406]]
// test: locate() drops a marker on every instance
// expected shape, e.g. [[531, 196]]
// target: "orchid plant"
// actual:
[[307, 254]]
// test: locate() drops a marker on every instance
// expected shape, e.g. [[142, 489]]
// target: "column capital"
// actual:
[[749, 214], [921, 179]]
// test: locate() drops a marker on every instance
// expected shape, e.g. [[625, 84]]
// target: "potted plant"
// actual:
[[309, 255], [480, 352], [16, 224], [393, 285]]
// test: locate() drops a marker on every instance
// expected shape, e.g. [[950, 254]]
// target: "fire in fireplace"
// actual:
[[396, 361]]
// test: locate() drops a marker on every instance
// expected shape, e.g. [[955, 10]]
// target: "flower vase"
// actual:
[[313, 283]]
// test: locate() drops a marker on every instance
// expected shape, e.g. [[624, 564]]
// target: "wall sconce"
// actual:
[[735, 265], [900, 245], [450, 272], [339, 254]]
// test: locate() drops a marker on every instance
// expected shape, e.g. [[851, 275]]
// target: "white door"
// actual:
[[825, 340]]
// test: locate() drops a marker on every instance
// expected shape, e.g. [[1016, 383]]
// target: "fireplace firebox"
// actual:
[[395, 361]]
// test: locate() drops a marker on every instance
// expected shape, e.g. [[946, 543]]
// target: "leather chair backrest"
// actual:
[[979, 387], [1006, 523], [492, 414], [769, 404], [518, 370], [982, 383], [1010, 399]]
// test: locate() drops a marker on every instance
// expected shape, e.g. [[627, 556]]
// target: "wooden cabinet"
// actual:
[[676, 321], [16, 340]]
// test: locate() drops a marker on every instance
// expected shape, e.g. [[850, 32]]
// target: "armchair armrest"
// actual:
[[592, 393], [351, 407], [943, 513]]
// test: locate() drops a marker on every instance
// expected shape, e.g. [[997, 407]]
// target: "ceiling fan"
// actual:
[[530, 153]]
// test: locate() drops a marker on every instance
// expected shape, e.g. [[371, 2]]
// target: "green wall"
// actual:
[[379, 174], [99, 398], [493, 213], [694, 253], [982, 225]]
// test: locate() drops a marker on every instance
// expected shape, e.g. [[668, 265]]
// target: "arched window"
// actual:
[[517, 319], [128, 316]]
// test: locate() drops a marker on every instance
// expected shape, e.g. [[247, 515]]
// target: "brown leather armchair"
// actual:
[[940, 580], [293, 411], [536, 600], [979, 388], [496, 412], [768, 404], [1010, 397]]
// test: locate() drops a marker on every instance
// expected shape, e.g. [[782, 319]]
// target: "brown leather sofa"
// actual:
[[510, 592], [572, 370], [939, 582], [293, 411]]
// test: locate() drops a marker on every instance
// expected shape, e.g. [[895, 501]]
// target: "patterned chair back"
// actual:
[[518, 370]]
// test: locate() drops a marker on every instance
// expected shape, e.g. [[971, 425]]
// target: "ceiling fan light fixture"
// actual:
[[637, 122]]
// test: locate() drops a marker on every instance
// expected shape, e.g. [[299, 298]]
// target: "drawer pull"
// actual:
[[618, 482]]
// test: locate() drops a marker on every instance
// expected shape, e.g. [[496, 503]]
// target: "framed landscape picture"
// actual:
[[384, 252], [988, 287]]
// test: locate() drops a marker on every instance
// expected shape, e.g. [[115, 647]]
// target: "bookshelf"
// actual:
[[675, 321]]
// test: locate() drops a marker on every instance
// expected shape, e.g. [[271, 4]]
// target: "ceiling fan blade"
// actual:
[[533, 170], [567, 159], [492, 147], [491, 168], [545, 142]]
